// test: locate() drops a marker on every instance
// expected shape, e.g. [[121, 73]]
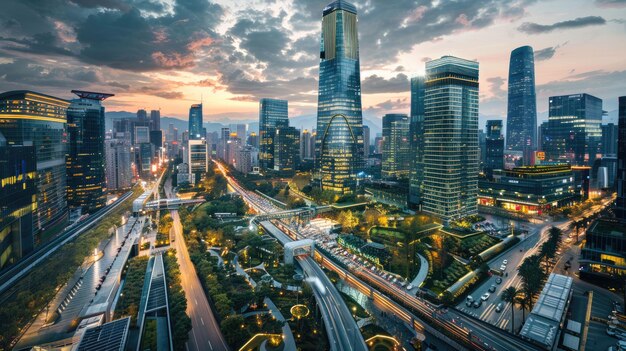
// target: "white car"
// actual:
[[503, 268], [409, 287], [505, 262], [485, 296]]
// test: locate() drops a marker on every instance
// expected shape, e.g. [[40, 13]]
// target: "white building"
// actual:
[[118, 164]]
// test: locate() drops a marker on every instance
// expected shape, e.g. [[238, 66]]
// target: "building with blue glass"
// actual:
[[416, 134], [573, 134], [196, 131], [286, 149], [494, 147], [521, 124], [396, 160], [85, 159], [273, 114], [32, 119], [451, 138], [339, 142]]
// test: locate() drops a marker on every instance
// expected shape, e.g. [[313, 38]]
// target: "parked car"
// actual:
[[492, 288], [485, 296], [503, 268], [409, 287], [498, 280], [469, 300], [505, 262], [477, 303]]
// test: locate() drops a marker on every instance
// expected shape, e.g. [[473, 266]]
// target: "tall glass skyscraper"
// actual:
[[620, 202], [521, 124], [32, 119], [416, 134], [494, 147], [451, 138], [273, 114], [196, 131], [85, 159], [396, 160], [573, 134], [339, 143]]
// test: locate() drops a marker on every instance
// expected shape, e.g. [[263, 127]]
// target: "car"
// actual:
[[403, 284], [505, 262], [409, 287], [499, 307], [395, 280], [485, 296], [498, 280], [492, 288], [477, 303], [503, 268]]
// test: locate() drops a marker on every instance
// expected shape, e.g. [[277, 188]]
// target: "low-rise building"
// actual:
[[604, 255], [530, 189]]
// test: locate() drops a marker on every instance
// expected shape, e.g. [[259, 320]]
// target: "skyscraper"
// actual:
[[573, 134], [273, 114], [155, 120], [286, 149], [339, 144], [521, 124], [196, 131], [416, 134], [451, 138], [142, 115], [30, 118], [17, 201], [366, 141], [253, 140], [198, 157], [305, 145], [620, 203], [396, 161], [494, 147], [118, 164], [240, 129], [609, 139], [85, 159]]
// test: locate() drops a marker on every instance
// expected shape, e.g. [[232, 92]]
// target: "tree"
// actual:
[[547, 251], [509, 295], [233, 331], [576, 225], [523, 302], [347, 220], [532, 275]]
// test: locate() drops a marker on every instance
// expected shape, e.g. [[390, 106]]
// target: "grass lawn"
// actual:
[[474, 245]]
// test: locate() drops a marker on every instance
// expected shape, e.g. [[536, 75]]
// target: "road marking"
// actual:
[[211, 346], [196, 301], [202, 320]]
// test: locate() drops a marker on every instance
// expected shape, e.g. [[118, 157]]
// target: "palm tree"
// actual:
[[523, 303], [576, 225], [509, 295]]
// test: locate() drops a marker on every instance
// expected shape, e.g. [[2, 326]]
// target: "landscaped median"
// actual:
[[31, 294]]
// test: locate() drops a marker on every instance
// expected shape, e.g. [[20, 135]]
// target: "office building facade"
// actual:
[[196, 131], [32, 119], [118, 164], [366, 141], [494, 147], [198, 156], [155, 120], [396, 161], [609, 139], [85, 159], [416, 175], [339, 144], [531, 190], [451, 138], [620, 180], [573, 134], [18, 201], [273, 114], [306, 152], [521, 127], [286, 149]]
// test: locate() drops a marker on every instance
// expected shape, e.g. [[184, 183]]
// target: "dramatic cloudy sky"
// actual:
[[168, 53]]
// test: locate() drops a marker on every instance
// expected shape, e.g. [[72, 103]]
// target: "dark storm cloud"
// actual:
[[535, 28], [24, 74], [375, 84]]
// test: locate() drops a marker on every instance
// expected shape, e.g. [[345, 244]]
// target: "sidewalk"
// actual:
[[290, 343], [422, 274]]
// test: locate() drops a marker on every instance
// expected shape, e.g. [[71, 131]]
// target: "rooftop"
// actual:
[[107, 337], [339, 5]]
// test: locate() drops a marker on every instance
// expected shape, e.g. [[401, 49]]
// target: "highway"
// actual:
[[14, 273], [205, 332], [343, 332]]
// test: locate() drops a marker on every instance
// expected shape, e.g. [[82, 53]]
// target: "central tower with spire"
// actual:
[[339, 142]]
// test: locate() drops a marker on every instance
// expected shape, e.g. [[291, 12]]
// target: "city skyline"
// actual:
[[569, 52]]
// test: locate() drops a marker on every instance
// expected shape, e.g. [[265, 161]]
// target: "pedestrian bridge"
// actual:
[[170, 204], [298, 248]]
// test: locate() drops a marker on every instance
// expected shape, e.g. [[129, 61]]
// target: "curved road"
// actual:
[[205, 332]]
